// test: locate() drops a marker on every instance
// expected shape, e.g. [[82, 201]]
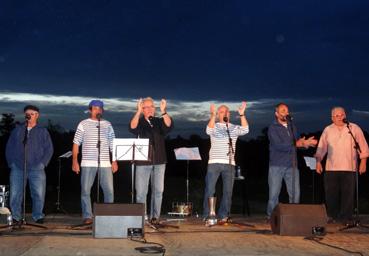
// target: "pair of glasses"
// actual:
[[31, 113], [337, 116]]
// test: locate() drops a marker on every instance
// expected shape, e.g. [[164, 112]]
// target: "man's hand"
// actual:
[[319, 167], [114, 166], [139, 106], [213, 110], [163, 106], [242, 108], [362, 167], [311, 142], [75, 167]]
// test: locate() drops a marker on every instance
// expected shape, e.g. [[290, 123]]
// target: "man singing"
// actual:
[[95, 134], [223, 138], [33, 142], [145, 124], [283, 142]]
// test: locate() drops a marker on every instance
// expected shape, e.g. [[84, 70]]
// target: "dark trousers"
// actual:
[[339, 194]]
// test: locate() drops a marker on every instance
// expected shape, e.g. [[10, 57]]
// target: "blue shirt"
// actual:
[[282, 149], [39, 148]]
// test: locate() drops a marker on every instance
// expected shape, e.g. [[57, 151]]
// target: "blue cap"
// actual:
[[96, 103]]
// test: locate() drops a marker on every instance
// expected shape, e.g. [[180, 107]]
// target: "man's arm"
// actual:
[[75, 164], [136, 118]]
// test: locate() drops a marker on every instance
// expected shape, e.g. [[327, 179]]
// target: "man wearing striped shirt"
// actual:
[[223, 137], [94, 134]]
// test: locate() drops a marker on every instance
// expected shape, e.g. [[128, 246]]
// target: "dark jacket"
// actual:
[[156, 133], [282, 149], [39, 148]]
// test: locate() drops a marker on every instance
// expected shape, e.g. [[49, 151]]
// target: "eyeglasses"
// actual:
[[146, 107], [31, 113], [337, 116]]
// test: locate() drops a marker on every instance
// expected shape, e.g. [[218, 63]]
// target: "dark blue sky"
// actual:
[[312, 54]]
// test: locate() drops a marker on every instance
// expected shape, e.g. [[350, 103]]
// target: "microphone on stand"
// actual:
[[225, 119], [151, 121], [98, 116], [289, 118], [345, 121], [27, 117]]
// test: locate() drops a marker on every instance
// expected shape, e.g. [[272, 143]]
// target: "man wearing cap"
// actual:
[[31, 142], [144, 124], [87, 135]]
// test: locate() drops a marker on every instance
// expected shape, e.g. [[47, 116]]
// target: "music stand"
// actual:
[[59, 208], [311, 163], [131, 150], [188, 154]]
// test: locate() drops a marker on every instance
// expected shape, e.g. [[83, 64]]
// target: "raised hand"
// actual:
[[242, 108], [139, 106], [163, 105], [213, 110]]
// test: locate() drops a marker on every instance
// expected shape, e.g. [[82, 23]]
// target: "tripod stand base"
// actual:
[[354, 224]]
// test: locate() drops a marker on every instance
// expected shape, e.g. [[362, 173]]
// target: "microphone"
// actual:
[[150, 120], [289, 118], [225, 119], [98, 116], [27, 117], [345, 121]]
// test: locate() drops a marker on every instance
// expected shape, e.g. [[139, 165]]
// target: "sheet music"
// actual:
[[123, 149], [187, 153], [310, 162]]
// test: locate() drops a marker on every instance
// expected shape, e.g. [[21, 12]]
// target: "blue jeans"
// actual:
[[37, 185], [212, 175], [87, 180], [143, 174], [275, 177]]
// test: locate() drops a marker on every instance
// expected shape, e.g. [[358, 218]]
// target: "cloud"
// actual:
[[190, 117], [360, 112]]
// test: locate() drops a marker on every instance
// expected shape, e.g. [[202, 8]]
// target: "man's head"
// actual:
[[281, 112], [148, 107], [31, 113], [222, 112], [96, 107], [338, 115]]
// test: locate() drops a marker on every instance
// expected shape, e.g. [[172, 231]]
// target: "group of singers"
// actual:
[[32, 142]]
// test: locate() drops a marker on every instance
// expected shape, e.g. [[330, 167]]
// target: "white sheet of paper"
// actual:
[[187, 153], [310, 162], [122, 149]]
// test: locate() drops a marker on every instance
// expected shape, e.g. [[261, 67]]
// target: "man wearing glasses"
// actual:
[[145, 124], [31, 141], [341, 164]]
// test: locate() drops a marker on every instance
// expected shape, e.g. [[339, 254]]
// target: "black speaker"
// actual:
[[118, 220], [298, 219]]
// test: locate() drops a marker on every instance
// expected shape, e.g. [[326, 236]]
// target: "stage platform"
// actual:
[[191, 238]]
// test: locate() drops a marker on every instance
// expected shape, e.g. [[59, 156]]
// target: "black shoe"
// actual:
[[154, 221], [40, 221]]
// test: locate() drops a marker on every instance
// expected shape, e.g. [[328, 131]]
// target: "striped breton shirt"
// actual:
[[219, 141], [87, 134]]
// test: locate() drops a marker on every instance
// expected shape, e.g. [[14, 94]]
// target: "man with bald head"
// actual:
[[341, 164], [223, 138]]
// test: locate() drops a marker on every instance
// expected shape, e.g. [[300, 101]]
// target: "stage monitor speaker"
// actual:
[[118, 220], [298, 219]]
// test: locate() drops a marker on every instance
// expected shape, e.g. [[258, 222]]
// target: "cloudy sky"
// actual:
[[61, 54]]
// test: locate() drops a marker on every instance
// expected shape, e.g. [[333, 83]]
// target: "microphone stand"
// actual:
[[23, 221], [98, 146], [294, 156], [356, 222], [159, 224], [231, 155]]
